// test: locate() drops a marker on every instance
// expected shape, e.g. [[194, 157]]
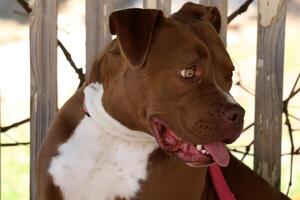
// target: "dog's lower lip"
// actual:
[[171, 143]]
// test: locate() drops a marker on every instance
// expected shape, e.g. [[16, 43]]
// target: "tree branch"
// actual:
[[72, 63], [14, 144], [25, 5], [249, 126], [243, 8], [14, 125]]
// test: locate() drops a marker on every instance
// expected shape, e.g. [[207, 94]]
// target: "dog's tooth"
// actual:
[[203, 151], [199, 147]]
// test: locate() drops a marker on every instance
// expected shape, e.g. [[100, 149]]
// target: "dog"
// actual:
[[152, 117]]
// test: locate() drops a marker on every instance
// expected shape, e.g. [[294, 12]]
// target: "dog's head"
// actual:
[[171, 77]]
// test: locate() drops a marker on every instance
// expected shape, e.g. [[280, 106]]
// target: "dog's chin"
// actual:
[[194, 155]]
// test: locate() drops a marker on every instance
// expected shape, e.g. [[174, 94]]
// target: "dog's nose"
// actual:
[[234, 114]]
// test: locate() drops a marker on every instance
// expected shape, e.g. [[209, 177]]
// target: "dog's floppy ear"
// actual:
[[134, 28], [199, 12]]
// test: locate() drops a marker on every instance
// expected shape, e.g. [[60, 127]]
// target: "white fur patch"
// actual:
[[102, 159]]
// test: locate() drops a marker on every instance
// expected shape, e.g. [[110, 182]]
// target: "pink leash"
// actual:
[[219, 183]]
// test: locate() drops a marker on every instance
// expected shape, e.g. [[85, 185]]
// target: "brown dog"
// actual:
[[153, 114]]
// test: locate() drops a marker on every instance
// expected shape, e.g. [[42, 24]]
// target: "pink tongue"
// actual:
[[219, 153]]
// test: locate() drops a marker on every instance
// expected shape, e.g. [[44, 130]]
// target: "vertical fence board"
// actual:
[[97, 31], [164, 5], [43, 77], [223, 8], [269, 81], [150, 4]]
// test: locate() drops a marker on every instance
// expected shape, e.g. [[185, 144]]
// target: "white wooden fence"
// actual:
[[270, 51]]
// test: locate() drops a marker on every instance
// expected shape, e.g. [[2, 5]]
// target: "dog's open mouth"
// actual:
[[195, 155]]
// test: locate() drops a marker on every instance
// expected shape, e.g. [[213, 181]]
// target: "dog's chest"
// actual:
[[93, 165]]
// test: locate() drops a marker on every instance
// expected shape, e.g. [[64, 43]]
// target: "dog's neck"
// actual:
[[94, 107]]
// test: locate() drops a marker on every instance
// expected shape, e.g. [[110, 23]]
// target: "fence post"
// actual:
[[97, 31], [223, 8], [164, 5], [43, 77], [269, 81]]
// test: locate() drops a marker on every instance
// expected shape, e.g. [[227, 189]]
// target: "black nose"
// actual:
[[234, 114]]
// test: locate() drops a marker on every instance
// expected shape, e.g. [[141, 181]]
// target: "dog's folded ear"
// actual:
[[192, 12], [134, 28]]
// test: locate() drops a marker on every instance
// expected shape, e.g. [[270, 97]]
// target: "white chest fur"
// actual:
[[103, 159]]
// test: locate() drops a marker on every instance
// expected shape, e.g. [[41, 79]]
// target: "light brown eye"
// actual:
[[187, 73]]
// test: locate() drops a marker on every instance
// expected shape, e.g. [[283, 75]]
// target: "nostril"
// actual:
[[230, 115], [234, 114]]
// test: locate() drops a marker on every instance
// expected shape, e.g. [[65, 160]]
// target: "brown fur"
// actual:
[[140, 75]]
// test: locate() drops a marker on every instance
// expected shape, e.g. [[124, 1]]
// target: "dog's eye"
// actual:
[[188, 72]]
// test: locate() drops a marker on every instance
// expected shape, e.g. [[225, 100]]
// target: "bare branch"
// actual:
[[293, 91], [243, 8], [241, 85], [25, 5], [14, 125], [295, 84], [296, 152], [247, 149], [294, 117], [249, 126], [72, 63], [241, 152], [14, 144]]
